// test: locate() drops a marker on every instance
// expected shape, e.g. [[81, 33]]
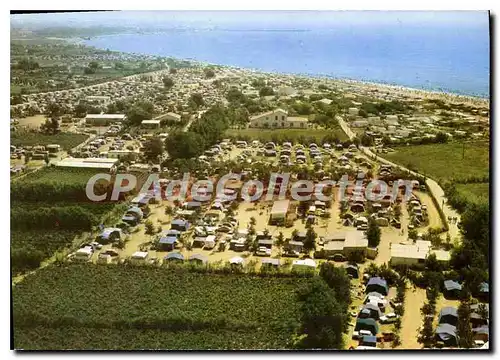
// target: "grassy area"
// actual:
[[474, 192], [286, 134], [444, 161], [32, 138], [118, 307]]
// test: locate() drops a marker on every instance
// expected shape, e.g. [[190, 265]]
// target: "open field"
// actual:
[[444, 161], [140, 308], [66, 140], [286, 134], [474, 192]]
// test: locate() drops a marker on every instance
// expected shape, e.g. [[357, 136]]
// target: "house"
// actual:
[[104, 119], [447, 334], [448, 315], [151, 124], [346, 243], [279, 211], [377, 284], [88, 163], [172, 117], [408, 255], [355, 241], [277, 119], [452, 289]]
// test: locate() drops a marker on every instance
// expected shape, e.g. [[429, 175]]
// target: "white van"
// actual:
[[241, 144]]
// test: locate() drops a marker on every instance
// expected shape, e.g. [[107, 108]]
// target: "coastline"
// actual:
[[402, 89]]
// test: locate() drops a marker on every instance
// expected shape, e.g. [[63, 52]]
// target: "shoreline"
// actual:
[[319, 76], [407, 90]]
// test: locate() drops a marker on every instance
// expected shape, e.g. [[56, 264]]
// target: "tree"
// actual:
[[209, 73], [93, 65], [185, 145], [153, 149], [149, 227], [280, 241], [310, 240], [80, 111], [432, 264], [253, 221], [441, 137], [50, 126], [366, 140], [266, 91], [464, 330], [373, 233], [168, 83], [337, 279], [323, 318], [139, 112], [197, 99]]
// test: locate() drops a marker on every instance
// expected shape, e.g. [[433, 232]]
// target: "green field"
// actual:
[[280, 135], [444, 161], [118, 307], [49, 208], [31, 138], [474, 192]]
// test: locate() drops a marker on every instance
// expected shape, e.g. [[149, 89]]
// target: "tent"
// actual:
[[174, 256], [352, 270], [167, 243], [109, 235], [377, 284], [199, 258], [367, 324], [447, 333], [448, 315], [271, 262], [236, 261]]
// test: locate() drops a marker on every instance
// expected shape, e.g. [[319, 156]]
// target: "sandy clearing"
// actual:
[[412, 319], [32, 121]]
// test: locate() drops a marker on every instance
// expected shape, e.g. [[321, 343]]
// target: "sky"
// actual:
[[261, 19]]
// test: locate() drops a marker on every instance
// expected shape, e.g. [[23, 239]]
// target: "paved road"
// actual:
[[432, 185]]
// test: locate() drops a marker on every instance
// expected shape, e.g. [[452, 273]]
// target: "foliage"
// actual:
[[153, 149], [168, 83], [444, 161], [464, 330], [337, 279], [323, 318], [266, 91], [170, 305], [33, 138], [373, 233]]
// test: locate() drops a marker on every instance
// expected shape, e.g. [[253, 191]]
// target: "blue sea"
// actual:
[[450, 56]]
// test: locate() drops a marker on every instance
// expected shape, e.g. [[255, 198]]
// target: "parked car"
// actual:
[[388, 318], [263, 251]]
